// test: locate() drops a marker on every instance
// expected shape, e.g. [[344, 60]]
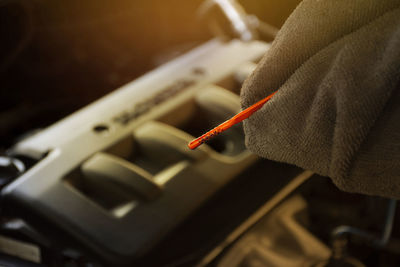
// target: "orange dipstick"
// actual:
[[229, 123]]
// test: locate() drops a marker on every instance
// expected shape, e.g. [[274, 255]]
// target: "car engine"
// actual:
[[112, 183]]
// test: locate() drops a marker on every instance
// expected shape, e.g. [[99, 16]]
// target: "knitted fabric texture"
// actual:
[[336, 66]]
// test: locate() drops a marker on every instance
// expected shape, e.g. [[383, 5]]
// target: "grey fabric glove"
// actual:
[[336, 66]]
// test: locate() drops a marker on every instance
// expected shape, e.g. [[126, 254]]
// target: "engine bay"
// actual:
[[114, 184]]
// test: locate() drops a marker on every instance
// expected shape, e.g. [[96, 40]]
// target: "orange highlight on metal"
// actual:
[[229, 123]]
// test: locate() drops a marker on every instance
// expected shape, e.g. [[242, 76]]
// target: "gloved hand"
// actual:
[[336, 66]]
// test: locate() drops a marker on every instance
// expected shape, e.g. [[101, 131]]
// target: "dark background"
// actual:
[[58, 56]]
